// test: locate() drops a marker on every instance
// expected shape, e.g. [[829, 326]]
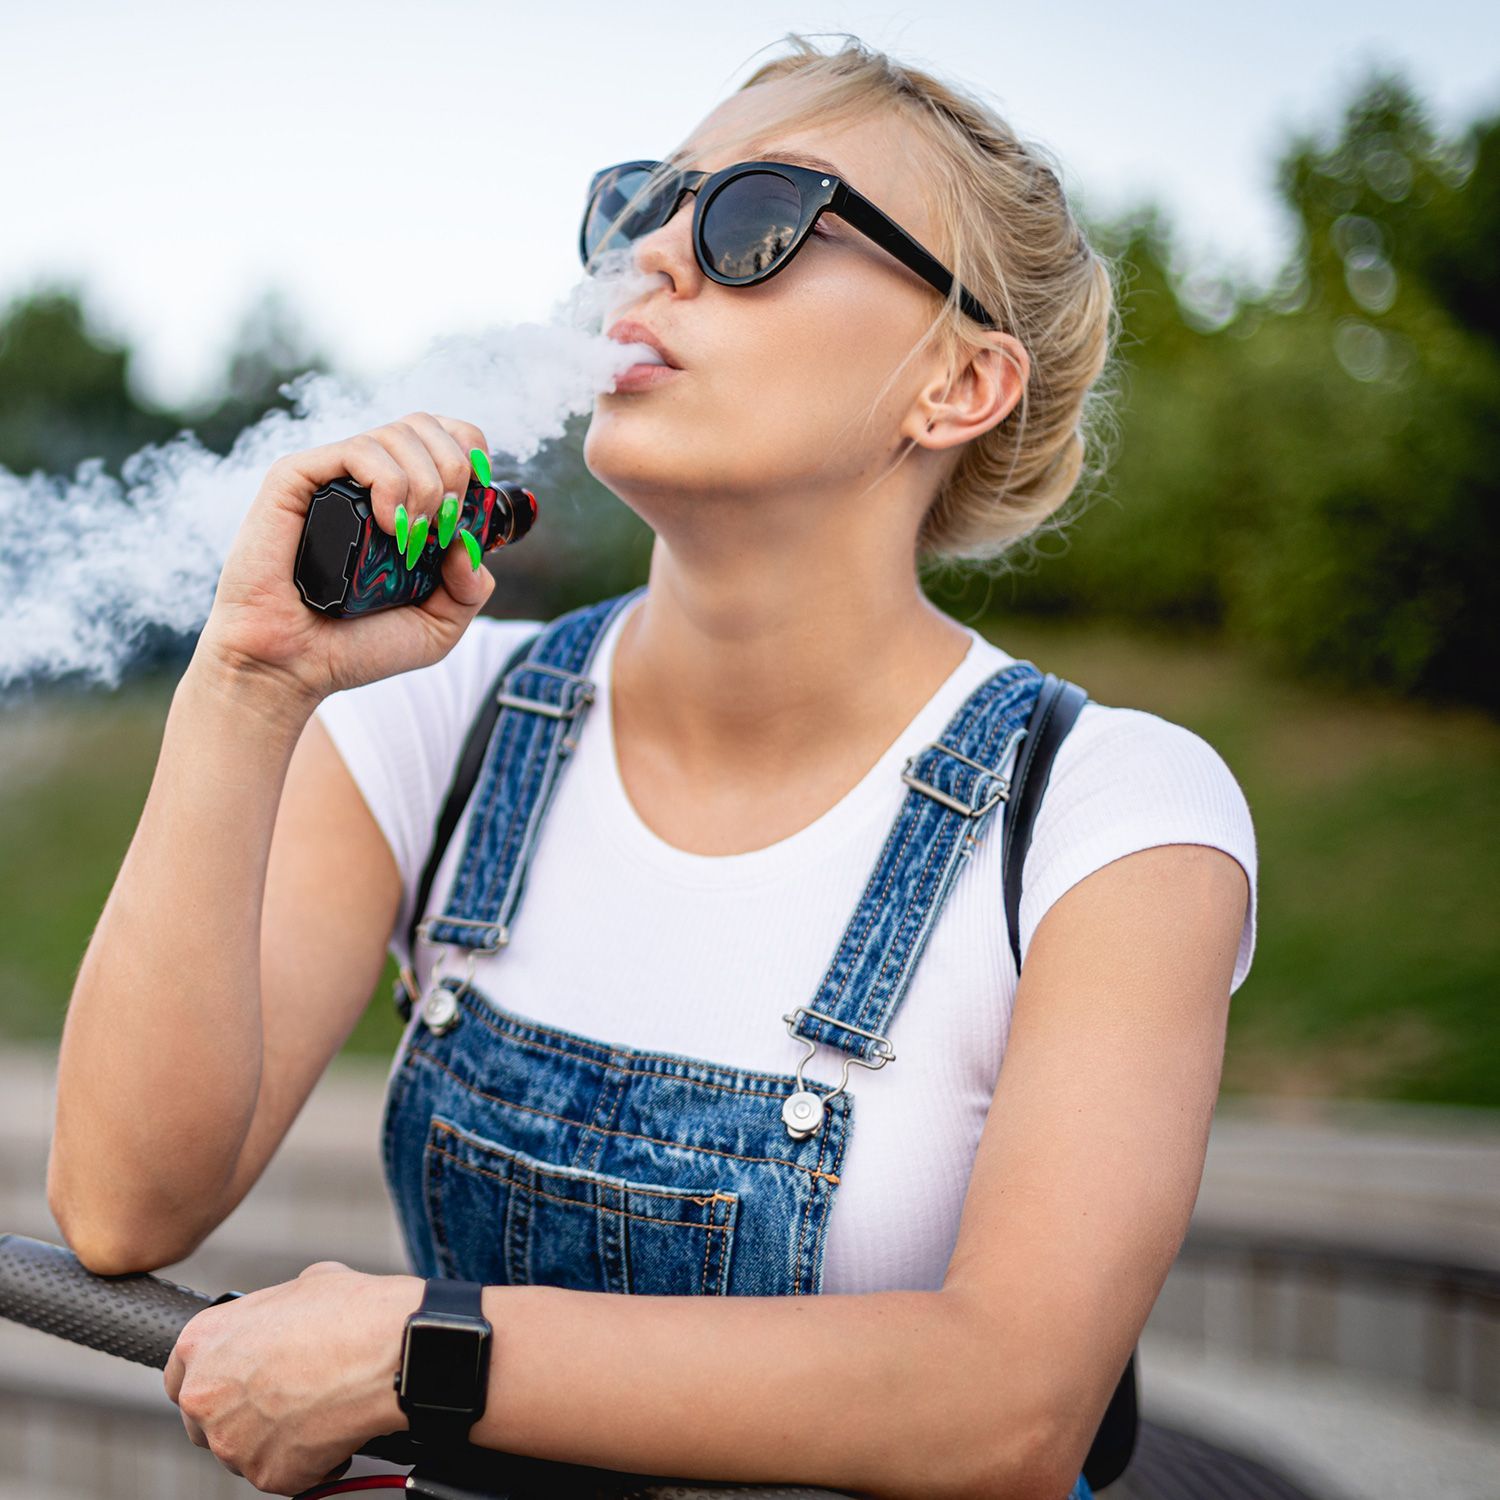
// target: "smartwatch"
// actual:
[[443, 1381]]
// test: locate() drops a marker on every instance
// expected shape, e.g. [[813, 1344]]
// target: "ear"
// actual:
[[985, 391]]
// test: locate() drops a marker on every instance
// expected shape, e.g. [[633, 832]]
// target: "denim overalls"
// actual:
[[520, 1154]]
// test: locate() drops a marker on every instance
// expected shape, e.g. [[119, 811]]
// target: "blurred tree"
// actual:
[[1377, 560], [269, 347], [1315, 473], [64, 389]]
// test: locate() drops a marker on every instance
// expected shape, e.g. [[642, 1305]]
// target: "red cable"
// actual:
[[345, 1486]]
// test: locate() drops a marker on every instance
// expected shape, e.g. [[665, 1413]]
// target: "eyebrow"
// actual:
[[801, 159], [791, 155]]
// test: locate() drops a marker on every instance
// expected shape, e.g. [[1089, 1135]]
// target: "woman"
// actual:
[[596, 1103]]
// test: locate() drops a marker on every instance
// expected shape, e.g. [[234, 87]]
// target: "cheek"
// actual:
[[782, 390]]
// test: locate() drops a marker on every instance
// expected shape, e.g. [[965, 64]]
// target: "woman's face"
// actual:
[[776, 379]]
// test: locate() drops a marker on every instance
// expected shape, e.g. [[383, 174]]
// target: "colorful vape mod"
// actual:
[[346, 565]]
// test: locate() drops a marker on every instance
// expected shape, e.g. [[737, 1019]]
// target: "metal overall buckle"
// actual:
[[439, 1008], [584, 697], [802, 1112], [1001, 792]]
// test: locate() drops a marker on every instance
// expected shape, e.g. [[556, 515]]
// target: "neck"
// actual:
[[748, 672]]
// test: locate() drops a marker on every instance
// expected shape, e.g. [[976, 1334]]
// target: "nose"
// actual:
[[669, 247]]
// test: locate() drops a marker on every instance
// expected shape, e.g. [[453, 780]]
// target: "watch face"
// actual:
[[443, 1366]]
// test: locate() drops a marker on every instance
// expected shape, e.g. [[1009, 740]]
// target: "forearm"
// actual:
[[896, 1394], [160, 1060]]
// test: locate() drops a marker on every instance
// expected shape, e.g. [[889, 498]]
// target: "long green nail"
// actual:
[[472, 547], [417, 542], [447, 519], [401, 525], [481, 461]]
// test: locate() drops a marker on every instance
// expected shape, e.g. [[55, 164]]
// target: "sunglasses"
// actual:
[[749, 220]]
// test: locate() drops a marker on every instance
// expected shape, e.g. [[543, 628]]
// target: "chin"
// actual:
[[624, 450]]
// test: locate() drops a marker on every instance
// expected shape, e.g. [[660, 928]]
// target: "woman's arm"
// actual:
[[225, 970], [1079, 1199]]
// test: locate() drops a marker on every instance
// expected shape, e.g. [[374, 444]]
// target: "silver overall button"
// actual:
[[802, 1114], [440, 1010]]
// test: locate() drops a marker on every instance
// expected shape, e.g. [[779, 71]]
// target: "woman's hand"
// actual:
[[259, 623], [285, 1384]]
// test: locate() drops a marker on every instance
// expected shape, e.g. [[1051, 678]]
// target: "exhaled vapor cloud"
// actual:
[[122, 558]]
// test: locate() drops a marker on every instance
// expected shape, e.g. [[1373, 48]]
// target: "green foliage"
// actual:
[[1307, 469], [1315, 475], [1375, 967], [64, 391], [267, 350], [66, 394]]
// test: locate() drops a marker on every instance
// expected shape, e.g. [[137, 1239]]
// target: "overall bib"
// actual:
[[520, 1154]]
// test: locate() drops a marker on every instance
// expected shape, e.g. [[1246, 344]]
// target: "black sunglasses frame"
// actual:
[[817, 192]]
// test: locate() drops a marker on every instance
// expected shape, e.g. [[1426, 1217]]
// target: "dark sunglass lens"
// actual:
[[750, 223], [613, 194]]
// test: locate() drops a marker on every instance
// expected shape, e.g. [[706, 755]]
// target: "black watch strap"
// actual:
[[445, 1425], [464, 1299]]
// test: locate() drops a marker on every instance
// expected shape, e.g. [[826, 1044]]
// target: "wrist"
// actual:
[[443, 1380], [249, 688], [399, 1297]]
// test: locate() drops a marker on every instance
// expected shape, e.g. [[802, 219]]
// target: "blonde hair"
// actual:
[[1008, 234]]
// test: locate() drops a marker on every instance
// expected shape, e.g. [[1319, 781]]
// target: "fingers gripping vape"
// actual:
[[347, 566]]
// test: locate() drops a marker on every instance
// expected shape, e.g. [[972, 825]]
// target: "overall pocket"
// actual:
[[502, 1217]]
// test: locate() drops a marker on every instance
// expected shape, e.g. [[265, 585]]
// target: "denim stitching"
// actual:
[[571, 648], [536, 1192], [807, 1211], [548, 1169], [916, 903], [629, 1135], [432, 1196], [610, 1097], [787, 1081], [873, 908], [835, 1176], [719, 1280], [913, 825]]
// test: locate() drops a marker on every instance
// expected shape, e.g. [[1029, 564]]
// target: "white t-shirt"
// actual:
[[625, 938]]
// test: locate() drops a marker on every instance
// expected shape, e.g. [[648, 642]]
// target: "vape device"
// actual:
[[346, 565]]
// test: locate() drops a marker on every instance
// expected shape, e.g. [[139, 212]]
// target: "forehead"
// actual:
[[876, 152]]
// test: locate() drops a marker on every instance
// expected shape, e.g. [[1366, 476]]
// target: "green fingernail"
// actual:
[[401, 524], [417, 542], [447, 519], [481, 461], [475, 551]]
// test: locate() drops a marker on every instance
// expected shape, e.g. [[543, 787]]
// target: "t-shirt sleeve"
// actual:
[[1123, 780], [401, 738]]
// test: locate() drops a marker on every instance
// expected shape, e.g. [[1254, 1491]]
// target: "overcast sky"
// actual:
[[405, 171]]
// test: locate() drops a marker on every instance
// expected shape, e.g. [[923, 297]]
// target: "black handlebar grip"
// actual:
[[136, 1316], [347, 566]]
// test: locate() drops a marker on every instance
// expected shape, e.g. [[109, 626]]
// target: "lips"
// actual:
[[626, 332]]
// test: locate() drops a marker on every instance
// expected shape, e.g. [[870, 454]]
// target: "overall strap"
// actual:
[[464, 777], [542, 703], [956, 783], [1058, 705]]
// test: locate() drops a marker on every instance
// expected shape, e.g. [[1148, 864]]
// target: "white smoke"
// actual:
[[122, 558]]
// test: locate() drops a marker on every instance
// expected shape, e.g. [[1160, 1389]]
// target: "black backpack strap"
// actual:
[[467, 773], [1058, 704], [1114, 1442], [1057, 707]]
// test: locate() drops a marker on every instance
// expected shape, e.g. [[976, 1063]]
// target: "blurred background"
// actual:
[[1294, 553]]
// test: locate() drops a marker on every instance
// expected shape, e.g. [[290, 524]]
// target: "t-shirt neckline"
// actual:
[[615, 817]]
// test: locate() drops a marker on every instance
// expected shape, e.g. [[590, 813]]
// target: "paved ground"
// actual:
[[1339, 1435]]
